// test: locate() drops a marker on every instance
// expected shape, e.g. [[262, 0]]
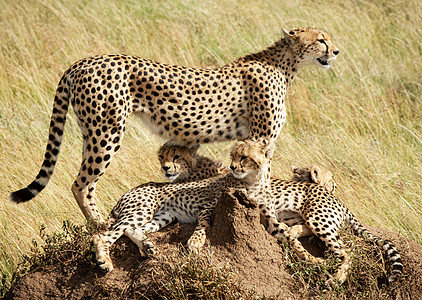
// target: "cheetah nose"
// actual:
[[166, 168], [336, 52], [233, 168]]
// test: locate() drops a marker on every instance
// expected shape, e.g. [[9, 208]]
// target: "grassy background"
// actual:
[[362, 118]]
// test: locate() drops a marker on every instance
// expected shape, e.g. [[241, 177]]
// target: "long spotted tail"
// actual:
[[58, 119], [391, 253]]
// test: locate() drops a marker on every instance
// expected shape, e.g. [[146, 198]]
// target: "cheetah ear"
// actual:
[[294, 169], [289, 36], [315, 173], [331, 186], [269, 148]]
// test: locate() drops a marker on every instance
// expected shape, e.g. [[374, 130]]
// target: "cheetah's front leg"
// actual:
[[198, 237], [300, 230], [102, 243], [160, 220]]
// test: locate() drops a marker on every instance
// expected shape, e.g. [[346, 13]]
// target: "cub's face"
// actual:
[[248, 159], [176, 161], [316, 174], [313, 46]]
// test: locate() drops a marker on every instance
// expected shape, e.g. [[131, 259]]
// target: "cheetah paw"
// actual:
[[194, 246], [319, 260], [149, 248], [106, 265]]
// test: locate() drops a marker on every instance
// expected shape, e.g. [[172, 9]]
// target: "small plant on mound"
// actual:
[[73, 243], [366, 279], [182, 275]]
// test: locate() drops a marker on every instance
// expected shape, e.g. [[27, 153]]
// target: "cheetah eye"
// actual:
[[322, 41], [160, 157], [243, 157], [176, 157]]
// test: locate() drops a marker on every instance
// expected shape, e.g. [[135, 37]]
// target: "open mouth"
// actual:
[[239, 175], [172, 177], [323, 63]]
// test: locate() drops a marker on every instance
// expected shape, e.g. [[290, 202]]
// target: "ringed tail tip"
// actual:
[[22, 195]]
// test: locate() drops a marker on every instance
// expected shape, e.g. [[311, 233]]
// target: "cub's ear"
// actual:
[[269, 148], [315, 170], [331, 186]]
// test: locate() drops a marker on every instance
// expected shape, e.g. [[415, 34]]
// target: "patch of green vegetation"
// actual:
[[74, 242], [366, 279]]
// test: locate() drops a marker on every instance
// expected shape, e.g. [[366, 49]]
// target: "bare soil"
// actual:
[[237, 240]]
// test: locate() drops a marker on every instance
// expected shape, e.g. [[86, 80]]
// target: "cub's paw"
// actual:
[[149, 248], [195, 243], [105, 265]]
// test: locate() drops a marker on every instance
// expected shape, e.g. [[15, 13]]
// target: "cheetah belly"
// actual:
[[182, 215], [187, 131]]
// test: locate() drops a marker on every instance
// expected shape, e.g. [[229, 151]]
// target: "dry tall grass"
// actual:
[[362, 118]]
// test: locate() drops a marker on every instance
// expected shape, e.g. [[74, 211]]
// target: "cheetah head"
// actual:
[[177, 161], [311, 46], [250, 158], [316, 174]]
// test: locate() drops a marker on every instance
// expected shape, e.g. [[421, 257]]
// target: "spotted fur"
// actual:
[[151, 206], [188, 106], [181, 164], [305, 203], [324, 215]]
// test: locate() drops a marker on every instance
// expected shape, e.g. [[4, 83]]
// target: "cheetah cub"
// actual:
[[182, 164], [305, 203], [152, 206], [316, 174]]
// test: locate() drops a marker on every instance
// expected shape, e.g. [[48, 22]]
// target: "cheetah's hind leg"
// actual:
[[329, 237], [97, 153], [281, 232]]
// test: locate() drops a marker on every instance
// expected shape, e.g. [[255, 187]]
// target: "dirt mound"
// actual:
[[238, 238], [241, 261]]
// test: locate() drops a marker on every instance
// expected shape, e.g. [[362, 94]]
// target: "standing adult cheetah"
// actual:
[[243, 99]]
